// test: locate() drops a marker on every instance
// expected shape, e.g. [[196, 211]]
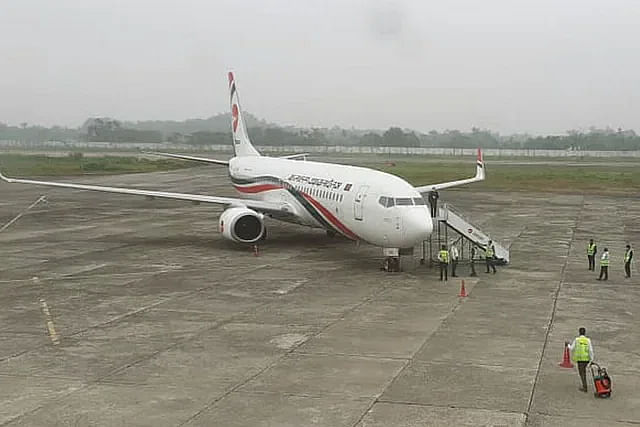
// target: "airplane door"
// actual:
[[358, 201]]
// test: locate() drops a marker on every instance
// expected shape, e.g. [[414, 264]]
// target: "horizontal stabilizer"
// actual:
[[192, 158], [302, 156]]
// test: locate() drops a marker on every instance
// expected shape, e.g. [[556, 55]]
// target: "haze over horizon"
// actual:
[[507, 66]]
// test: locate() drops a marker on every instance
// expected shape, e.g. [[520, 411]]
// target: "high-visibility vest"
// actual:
[[604, 261], [489, 252], [581, 350], [627, 256], [444, 256], [591, 249]]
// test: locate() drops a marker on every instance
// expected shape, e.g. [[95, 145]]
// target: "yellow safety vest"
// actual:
[[604, 262], [489, 252], [627, 256], [444, 256], [581, 350], [591, 249]]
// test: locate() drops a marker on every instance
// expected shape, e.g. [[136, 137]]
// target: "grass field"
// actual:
[[615, 178], [557, 178], [19, 165]]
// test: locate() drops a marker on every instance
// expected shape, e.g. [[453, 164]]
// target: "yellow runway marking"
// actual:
[[50, 326]]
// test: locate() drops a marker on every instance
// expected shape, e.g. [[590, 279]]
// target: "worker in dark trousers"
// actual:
[[604, 265], [592, 249], [489, 254], [582, 353], [472, 261], [443, 257], [628, 256], [454, 260], [433, 202]]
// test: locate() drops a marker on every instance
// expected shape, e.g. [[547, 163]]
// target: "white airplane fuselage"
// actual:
[[348, 200]]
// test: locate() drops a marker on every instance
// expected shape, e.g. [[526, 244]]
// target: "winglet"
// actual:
[[480, 172]]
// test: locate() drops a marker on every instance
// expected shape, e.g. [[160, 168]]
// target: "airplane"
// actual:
[[358, 203]]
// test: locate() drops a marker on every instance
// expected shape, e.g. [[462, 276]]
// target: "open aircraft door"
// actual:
[[358, 202]]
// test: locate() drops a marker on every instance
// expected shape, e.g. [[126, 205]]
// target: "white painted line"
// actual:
[[17, 217], [50, 326], [290, 286]]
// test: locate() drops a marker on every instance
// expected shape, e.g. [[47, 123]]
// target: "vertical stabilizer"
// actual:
[[241, 143]]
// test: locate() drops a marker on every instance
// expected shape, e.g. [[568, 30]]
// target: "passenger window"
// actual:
[[419, 201], [404, 201]]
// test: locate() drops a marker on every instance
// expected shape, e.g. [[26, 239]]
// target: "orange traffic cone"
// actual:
[[463, 291], [566, 358]]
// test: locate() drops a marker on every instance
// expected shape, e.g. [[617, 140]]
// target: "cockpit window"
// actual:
[[385, 201], [404, 201], [419, 201]]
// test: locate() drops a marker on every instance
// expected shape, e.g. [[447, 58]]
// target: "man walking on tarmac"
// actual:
[[592, 249], [454, 260], [582, 353], [443, 257], [472, 261], [628, 256], [489, 253], [604, 265]]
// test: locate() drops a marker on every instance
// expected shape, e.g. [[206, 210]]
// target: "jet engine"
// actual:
[[241, 225]]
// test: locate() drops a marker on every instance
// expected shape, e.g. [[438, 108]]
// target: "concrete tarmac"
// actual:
[[118, 310]]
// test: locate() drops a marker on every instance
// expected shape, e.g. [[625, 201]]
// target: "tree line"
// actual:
[[215, 131]]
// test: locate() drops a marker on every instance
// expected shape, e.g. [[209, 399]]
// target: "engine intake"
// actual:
[[241, 225]]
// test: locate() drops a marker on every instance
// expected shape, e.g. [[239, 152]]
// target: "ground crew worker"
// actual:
[[582, 353], [433, 203], [473, 267], [489, 253], [604, 265], [454, 260], [443, 257], [628, 256], [592, 249]]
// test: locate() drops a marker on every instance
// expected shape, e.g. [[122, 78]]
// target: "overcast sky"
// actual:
[[541, 66]]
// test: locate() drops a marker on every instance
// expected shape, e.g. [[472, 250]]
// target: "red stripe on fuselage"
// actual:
[[258, 188], [332, 219], [323, 211]]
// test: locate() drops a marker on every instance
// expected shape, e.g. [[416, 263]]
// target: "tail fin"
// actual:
[[241, 143]]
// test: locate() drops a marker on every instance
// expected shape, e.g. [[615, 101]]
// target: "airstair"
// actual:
[[451, 227]]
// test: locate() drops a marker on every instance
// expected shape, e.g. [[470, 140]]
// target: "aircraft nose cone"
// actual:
[[417, 225]]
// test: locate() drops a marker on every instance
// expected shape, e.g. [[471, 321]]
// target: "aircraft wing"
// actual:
[[480, 175], [193, 158], [281, 209]]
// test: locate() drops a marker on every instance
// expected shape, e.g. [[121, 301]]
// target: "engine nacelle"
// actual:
[[241, 225]]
